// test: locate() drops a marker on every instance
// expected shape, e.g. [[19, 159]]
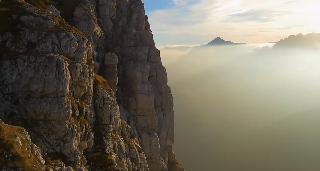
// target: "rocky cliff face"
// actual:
[[82, 87]]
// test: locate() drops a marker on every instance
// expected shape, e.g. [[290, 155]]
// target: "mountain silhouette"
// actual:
[[308, 41], [220, 42]]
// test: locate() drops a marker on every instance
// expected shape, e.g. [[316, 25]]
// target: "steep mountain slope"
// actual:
[[84, 80]]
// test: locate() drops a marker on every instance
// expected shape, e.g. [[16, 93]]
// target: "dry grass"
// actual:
[[14, 155], [65, 7], [123, 124], [103, 83], [41, 4], [105, 160], [80, 122], [131, 142], [62, 25]]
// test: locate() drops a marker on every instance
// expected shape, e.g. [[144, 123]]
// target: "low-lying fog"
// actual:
[[240, 108]]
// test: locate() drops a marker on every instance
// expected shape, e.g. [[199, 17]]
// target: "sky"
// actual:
[[194, 22]]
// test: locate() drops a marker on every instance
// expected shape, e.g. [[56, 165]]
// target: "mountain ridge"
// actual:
[[308, 41]]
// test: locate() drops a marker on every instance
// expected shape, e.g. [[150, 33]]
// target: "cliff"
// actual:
[[82, 87]]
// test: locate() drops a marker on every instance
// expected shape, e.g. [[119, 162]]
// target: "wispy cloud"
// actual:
[[180, 47], [255, 15], [183, 2]]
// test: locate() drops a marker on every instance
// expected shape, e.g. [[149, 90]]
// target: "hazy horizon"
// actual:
[[239, 108], [171, 53]]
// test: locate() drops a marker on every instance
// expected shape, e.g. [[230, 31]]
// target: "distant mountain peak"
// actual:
[[218, 41]]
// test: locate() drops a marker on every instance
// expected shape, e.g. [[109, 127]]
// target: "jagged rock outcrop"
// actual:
[[84, 80]]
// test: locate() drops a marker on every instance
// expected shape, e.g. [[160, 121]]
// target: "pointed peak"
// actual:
[[220, 41], [218, 38]]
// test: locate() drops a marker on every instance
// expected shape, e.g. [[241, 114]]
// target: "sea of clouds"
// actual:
[[245, 107]]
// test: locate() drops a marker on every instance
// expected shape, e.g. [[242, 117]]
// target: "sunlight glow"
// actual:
[[229, 5], [311, 14], [250, 21]]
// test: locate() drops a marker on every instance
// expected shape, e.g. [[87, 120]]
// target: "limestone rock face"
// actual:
[[84, 84]]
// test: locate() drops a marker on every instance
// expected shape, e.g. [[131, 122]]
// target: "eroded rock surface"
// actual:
[[83, 83]]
